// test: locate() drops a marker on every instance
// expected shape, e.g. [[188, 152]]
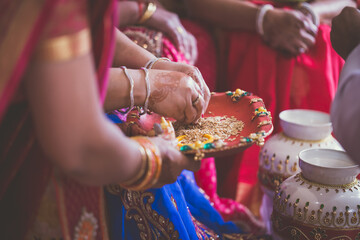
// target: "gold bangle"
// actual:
[[141, 173], [66, 47], [158, 160], [153, 166], [145, 182], [150, 10]]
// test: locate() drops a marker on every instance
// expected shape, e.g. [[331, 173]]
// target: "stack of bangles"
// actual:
[[151, 164]]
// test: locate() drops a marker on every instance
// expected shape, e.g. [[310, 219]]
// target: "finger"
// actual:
[[291, 48], [194, 108], [194, 49], [183, 47], [310, 27], [186, 44], [199, 105], [205, 89], [307, 39], [174, 35], [190, 112], [193, 53], [193, 165]]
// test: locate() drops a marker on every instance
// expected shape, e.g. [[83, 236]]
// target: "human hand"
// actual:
[[345, 35], [169, 23], [189, 70], [175, 95], [173, 162], [289, 30]]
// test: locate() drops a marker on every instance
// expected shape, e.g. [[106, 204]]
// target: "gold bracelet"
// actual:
[[150, 10], [153, 166], [140, 174], [66, 47]]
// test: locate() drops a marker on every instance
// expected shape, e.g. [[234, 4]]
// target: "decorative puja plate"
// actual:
[[239, 104]]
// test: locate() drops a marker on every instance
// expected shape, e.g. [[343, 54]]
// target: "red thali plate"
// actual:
[[242, 105]]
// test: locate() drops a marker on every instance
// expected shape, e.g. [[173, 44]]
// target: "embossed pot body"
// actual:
[[321, 202], [278, 159], [302, 129]]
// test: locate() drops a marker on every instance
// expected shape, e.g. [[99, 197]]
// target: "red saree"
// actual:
[[24, 172], [307, 81]]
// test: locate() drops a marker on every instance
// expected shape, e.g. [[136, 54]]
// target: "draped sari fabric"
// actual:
[[25, 172], [307, 81]]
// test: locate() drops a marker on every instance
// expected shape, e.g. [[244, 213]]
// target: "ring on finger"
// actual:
[[301, 50], [196, 100], [180, 29]]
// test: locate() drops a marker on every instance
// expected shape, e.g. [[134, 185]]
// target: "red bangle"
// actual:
[[141, 6]]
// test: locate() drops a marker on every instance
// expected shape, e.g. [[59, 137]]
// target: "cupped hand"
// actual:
[[169, 23], [173, 162], [175, 95], [191, 71], [289, 30], [344, 33]]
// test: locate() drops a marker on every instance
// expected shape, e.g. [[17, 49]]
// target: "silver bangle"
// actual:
[[308, 8], [131, 80], [151, 62], [260, 18], [146, 104]]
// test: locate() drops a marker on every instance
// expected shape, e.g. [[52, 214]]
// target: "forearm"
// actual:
[[327, 9], [108, 156], [71, 126], [230, 14], [124, 48]]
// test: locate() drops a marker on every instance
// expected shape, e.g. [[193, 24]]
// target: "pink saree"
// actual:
[[24, 172]]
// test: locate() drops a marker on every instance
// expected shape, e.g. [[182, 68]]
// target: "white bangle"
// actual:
[[151, 62], [260, 18], [146, 104], [314, 16], [131, 80]]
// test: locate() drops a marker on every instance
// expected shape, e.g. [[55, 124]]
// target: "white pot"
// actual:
[[320, 202], [302, 129]]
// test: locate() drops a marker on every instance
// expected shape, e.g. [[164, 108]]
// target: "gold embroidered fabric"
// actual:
[[47, 223], [148, 39], [240, 236], [138, 207]]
